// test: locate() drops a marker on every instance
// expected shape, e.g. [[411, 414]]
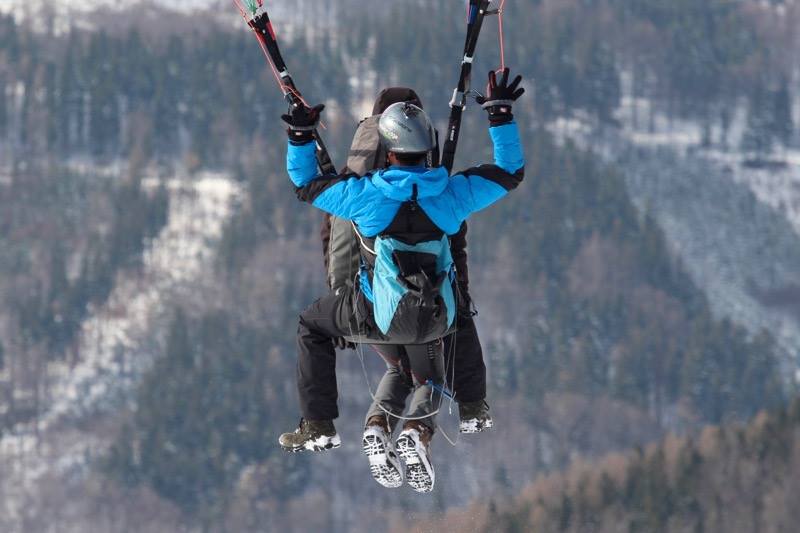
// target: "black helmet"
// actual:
[[405, 129]]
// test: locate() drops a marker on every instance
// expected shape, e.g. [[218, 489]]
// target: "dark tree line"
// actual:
[[70, 264], [208, 95], [204, 413]]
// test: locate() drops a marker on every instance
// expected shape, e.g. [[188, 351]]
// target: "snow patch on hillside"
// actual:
[[116, 347], [736, 229]]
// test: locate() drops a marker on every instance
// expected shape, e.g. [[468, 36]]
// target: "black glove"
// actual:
[[302, 121], [500, 97]]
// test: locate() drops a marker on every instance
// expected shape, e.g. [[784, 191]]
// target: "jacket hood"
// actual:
[[398, 183]]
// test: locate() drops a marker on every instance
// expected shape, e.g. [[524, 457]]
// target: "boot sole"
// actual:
[[474, 425], [419, 471], [383, 462], [319, 444]]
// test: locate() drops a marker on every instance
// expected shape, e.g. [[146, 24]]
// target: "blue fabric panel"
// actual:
[[364, 285], [358, 199], [388, 291], [463, 196], [301, 163], [507, 147], [398, 183]]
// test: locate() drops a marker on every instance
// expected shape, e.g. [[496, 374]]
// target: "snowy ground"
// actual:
[[115, 347], [779, 189]]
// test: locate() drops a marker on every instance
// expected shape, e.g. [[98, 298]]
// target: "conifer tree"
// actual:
[[759, 137], [782, 123]]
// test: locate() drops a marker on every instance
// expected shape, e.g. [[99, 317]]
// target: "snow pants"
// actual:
[[332, 316], [409, 369]]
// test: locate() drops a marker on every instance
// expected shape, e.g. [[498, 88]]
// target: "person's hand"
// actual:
[[500, 97], [302, 121]]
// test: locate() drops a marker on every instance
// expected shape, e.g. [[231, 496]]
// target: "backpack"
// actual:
[[411, 284]]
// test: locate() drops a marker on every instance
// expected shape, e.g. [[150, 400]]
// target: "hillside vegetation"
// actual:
[[595, 335], [735, 478]]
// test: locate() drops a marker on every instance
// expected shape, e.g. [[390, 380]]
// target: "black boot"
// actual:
[[474, 417], [311, 435]]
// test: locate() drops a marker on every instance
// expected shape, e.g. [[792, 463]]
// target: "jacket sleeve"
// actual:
[[479, 187], [343, 195]]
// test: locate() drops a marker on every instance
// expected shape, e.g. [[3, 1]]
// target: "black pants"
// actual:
[[329, 317], [339, 314], [464, 360]]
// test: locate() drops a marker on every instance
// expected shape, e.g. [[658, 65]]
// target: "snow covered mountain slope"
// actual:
[[50, 453], [736, 229], [740, 250]]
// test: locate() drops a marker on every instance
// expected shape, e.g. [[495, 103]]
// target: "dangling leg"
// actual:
[[320, 323], [393, 389], [465, 357], [463, 350], [413, 444], [390, 399]]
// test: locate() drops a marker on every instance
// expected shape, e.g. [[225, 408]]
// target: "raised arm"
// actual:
[[479, 187], [339, 195], [343, 195]]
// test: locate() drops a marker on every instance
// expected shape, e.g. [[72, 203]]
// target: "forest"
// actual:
[[733, 478], [609, 343]]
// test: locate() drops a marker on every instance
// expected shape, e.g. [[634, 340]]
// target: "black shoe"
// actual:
[[474, 417], [311, 435]]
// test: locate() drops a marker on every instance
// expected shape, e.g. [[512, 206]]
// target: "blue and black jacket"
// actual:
[[408, 210], [378, 202]]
